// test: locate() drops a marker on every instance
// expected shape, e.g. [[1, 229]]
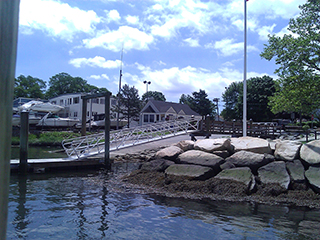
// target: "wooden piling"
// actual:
[[9, 19], [24, 132]]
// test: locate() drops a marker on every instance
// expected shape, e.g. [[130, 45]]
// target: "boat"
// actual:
[[40, 106], [98, 121], [33, 119], [53, 120]]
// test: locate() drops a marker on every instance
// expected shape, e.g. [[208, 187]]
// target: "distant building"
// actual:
[[72, 104], [155, 111]]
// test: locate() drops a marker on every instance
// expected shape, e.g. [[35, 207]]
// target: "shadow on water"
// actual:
[[82, 205]]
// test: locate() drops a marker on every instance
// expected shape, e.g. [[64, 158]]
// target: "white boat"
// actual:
[[33, 119], [40, 106], [52, 120], [98, 121]]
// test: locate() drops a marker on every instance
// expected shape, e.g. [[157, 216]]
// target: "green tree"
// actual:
[[29, 87], [231, 97], [153, 95], [129, 103], [63, 83], [199, 103], [259, 90], [298, 58]]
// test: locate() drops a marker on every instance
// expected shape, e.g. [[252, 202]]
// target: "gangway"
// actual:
[[87, 146]]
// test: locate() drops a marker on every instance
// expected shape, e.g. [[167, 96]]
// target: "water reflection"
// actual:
[[81, 205]]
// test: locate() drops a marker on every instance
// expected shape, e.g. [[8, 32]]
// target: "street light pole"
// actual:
[[147, 83]]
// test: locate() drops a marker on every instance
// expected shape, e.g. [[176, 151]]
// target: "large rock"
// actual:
[[170, 153], [251, 144], [310, 152], [190, 171], [287, 150], [158, 165], [243, 175], [210, 145], [313, 177], [197, 157], [185, 145], [275, 173], [250, 159], [296, 171]]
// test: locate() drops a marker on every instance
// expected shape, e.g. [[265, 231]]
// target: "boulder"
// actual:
[[158, 165], [243, 175], [185, 145], [210, 145], [170, 153], [275, 173], [313, 177], [227, 165], [310, 152], [197, 157], [191, 171], [249, 159], [251, 144], [223, 154], [287, 150], [296, 171]]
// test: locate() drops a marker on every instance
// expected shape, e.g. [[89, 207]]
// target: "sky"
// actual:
[[180, 46]]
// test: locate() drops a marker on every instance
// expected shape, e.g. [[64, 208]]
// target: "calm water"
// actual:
[[82, 206], [39, 152]]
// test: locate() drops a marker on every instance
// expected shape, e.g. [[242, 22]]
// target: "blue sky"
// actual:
[[181, 46]]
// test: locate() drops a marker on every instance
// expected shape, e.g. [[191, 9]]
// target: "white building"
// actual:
[[72, 104]]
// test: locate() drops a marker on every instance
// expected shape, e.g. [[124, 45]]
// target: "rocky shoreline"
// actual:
[[236, 169]]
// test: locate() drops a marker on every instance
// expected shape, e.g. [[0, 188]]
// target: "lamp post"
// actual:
[[147, 83]]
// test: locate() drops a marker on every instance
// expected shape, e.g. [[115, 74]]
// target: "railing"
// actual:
[[82, 147]]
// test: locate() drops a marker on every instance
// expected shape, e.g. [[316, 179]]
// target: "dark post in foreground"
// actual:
[[9, 19], [24, 131]]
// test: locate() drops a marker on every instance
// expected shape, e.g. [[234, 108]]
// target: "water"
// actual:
[[39, 152], [83, 205]]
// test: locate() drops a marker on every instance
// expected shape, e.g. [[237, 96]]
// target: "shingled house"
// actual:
[[155, 111]]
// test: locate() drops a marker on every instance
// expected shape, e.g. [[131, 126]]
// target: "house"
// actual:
[[155, 111], [72, 104]]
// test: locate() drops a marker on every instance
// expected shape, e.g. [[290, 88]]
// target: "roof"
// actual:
[[163, 107]]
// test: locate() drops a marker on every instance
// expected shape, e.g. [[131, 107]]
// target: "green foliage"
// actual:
[[29, 87], [297, 55], [153, 95], [64, 83], [129, 103], [259, 89], [199, 103]]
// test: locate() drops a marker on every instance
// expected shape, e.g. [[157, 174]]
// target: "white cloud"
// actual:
[[134, 20], [95, 62], [100, 77], [130, 38], [227, 47], [192, 42], [113, 15], [55, 18]]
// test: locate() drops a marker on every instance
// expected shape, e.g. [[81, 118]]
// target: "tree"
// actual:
[[199, 103], [153, 95], [297, 55], [63, 83], [29, 87], [129, 103], [231, 97], [259, 90]]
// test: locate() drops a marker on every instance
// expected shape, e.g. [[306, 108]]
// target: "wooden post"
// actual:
[[107, 131], [24, 132], [9, 19]]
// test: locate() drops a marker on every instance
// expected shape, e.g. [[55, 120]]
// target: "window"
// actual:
[[69, 101], [102, 101], [158, 117], [145, 118], [75, 114], [113, 102], [151, 118], [75, 100], [61, 102], [95, 100]]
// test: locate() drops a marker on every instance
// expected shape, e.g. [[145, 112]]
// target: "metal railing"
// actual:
[[82, 147]]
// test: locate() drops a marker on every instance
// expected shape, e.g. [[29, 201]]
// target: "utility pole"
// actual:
[[244, 131], [119, 89]]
